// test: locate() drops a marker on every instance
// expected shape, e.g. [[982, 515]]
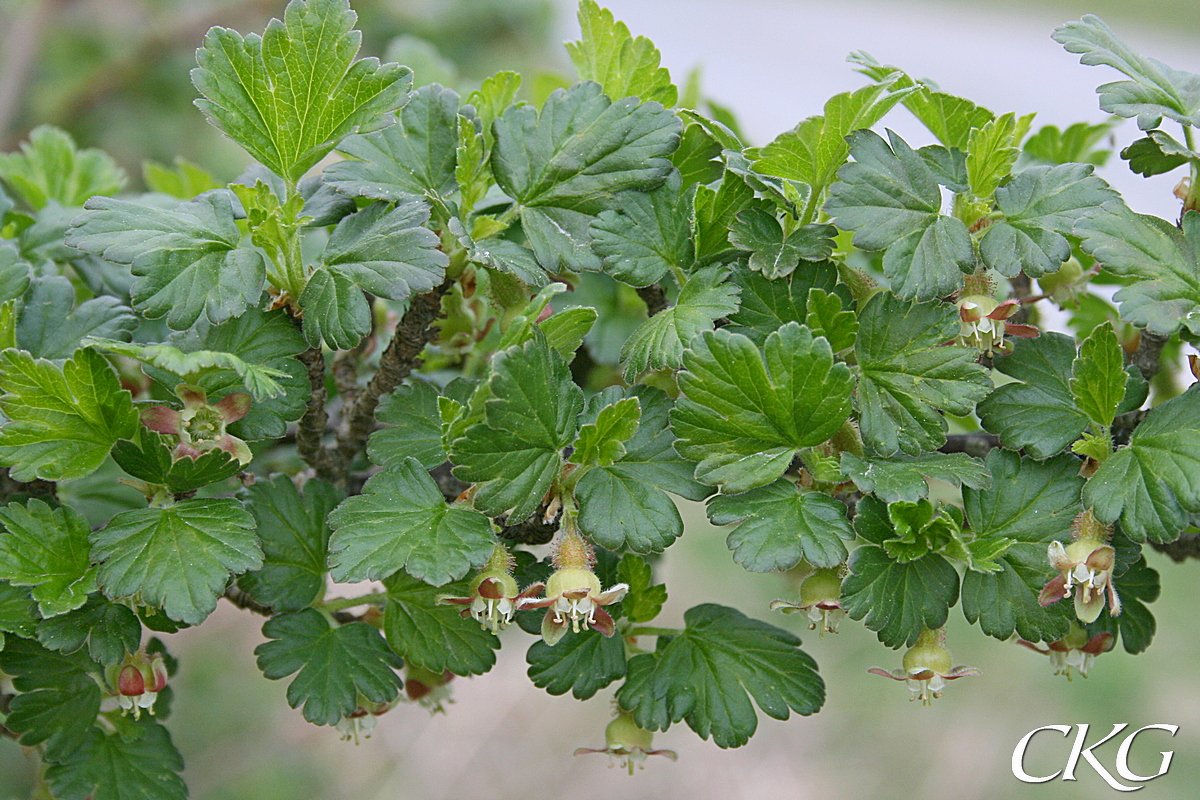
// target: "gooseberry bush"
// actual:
[[476, 350]]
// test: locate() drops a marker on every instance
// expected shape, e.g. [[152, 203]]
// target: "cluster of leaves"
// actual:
[[572, 311]]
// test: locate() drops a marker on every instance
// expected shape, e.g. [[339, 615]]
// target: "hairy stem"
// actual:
[[403, 354], [654, 297], [311, 429], [1149, 351], [977, 444], [243, 600], [342, 603]]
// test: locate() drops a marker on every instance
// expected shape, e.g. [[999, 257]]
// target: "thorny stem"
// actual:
[[654, 297], [977, 444], [311, 429], [244, 601], [1149, 350]]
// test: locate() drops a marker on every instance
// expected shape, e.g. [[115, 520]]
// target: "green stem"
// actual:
[[810, 208], [293, 260], [1187, 137], [342, 603], [509, 215], [648, 630]]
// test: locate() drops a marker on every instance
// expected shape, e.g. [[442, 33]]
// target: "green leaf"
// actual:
[[295, 539], [1154, 482], [381, 250], [660, 341], [260, 381], [266, 339], [408, 159], [712, 210], [1040, 206], [1039, 413], [289, 96], [906, 478], [774, 253], [414, 427], [747, 411], [624, 505], [781, 524], [58, 700], [581, 663], [47, 548], [566, 329], [826, 318], [991, 152], [119, 766], [603, 441], [184, 179], [401, 521], [51, 168], [1161, 255], [645, 598], [506, 257], [1034, 503], [891, 200], [1155, 91], [51, 326], [1157, 154], [623, 65], [568, 163], [335, 664], [188, 261], [812, 152], [150, 457], [1098, 376], [649, 236], [432, 636], [18, 612], [110, 630], [704, 675], [62, 420], [178, 558], [14, 273], [1074, 144], [949, 118], [765, 305], [907, 375], [1138, 586], [695, 158], [532, 414], [898, 600]]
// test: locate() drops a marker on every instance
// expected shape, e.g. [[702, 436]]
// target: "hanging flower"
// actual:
[[1085, 568], [983, 323], [360, 722], [627, 744], [137, 680], [1074, 652], [820, 600], [200, 425], [494, 596], [573, 595], [427, 688], [926, 667]]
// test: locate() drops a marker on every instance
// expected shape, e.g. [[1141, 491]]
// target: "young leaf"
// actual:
[[907, 375], [51, 168], [645, 598], [1040, 205], [704, 675], [1155, 91], [401, 521], [405, 161], [289, 96], [335, 664], [566, 329], [187, 261], [537, 161], [432, 636], [624, 505], [295, 540], [765, 305], [1152, 484], [712, 210], [110, 630], [183, 180], [532, 414], [660, 341], [1034, 503], [178, 558], [47, 548], [696, 158], [603, 441], [581, 663], [772, 253], [623, 65], [898, 600], [746, 412], [991, 152], [1038, 413], [1161, 256], [891, 200], [62, 420], [1074, 144], [1098, 376], [812, 152], [51, 326], [381, 250], [781, 524], [906, 478], [649, 236], [825, 317]]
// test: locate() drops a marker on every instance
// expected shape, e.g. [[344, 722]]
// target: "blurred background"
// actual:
[[115, 74]]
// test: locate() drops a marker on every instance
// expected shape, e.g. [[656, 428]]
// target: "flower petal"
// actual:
[[603, 622], [1004, 310], [1021, 331], [1101, 559], [612, 595], [1053, 591], [554, 627], [236, 448], [962, 672], [1087, 609], [161, 419], [886, 674], [1058, 557], [233, 406], [192, 396]]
